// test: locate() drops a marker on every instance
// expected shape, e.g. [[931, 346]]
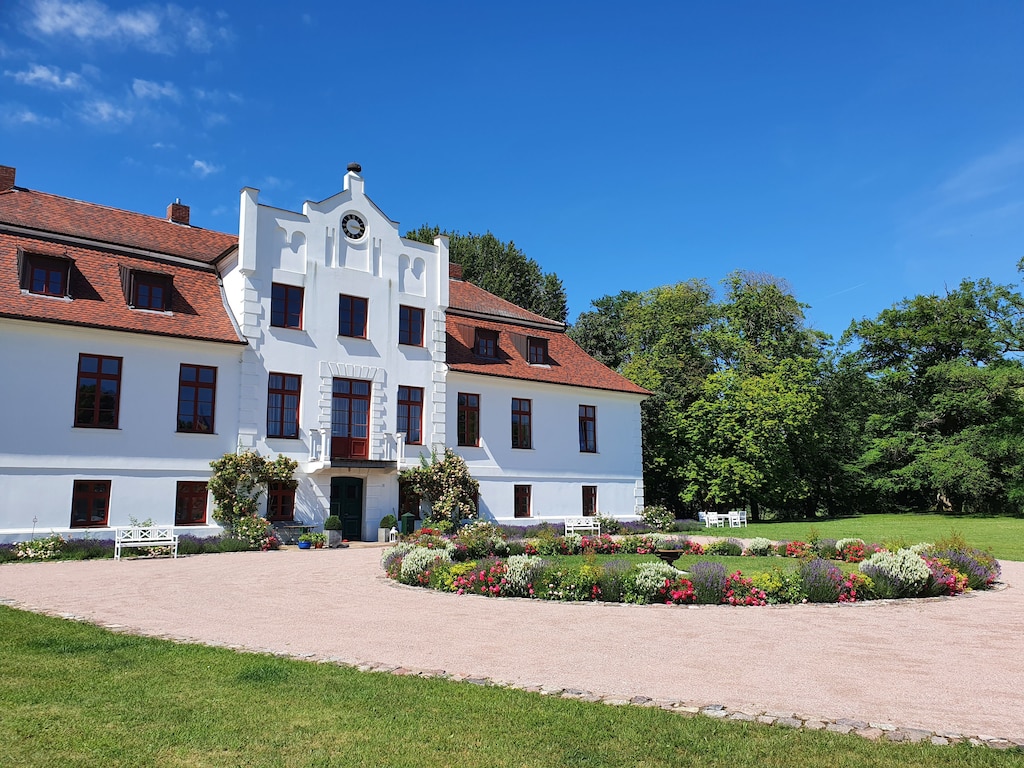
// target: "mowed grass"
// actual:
[[1004, 536], [75, 694]]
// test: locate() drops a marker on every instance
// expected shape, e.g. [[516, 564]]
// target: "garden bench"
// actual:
[[145, 536], [583, 525]]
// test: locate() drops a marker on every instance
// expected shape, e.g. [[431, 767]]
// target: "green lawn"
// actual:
[[74, 694], [1004, 536]]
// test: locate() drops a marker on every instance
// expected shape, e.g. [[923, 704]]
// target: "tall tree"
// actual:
[[948, 432], [502, 269], [601, 331]]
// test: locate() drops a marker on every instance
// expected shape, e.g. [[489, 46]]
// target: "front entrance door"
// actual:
[[347, 503]]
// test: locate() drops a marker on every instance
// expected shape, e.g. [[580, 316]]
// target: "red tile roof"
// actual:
[[52, 214], [469, 309], [197, 308]]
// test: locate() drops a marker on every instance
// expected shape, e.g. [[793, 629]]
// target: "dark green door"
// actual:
[[347, 503]]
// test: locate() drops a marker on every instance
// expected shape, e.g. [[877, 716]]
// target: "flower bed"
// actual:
[[484, 559]]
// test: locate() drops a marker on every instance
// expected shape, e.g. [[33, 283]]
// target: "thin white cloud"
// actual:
[[157, 28], [204, 168], [102, 112], [13, 115], [985, 176], [147, 89], [161, 145], [202, 94], [214, 119], [47, 77]]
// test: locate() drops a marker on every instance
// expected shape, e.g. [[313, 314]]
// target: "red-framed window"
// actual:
[[589, 500], [588, 429], [410, 414], [352, 316], [350, 419], [98, 391], [90, 503], [486, 343], [45, 275], [151, 291], [283, 405], [522, 501], [522, 427], [537, 351], [286, 306], [197, 396], [280, 501], [190, 503], [410, 326], [469, 419]]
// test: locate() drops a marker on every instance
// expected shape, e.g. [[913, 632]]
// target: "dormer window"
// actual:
[[44, 275], [486, 343], [146, 290], [537, 351]]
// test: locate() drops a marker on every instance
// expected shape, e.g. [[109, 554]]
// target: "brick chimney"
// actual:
[[454, 271], [6, 178], [176, 212]]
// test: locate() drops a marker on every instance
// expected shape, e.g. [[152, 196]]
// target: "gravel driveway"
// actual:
[[940, 664]]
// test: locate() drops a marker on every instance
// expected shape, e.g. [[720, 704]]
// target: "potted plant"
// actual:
[[332, 527], [318, 540], [386, 524], [306, 541]]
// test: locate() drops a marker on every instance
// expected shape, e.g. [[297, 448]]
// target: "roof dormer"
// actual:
[[146, 290], [45, 274]]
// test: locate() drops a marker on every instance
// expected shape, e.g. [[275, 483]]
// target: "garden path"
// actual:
[[941, 664]]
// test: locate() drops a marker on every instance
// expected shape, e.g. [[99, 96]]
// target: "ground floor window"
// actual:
[[280, 501], [522, 503], [589, 500], [90, 503], [190, 504]]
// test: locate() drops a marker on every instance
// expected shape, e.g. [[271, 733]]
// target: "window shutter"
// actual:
[[23, 280], [126, 283], [522, 344]]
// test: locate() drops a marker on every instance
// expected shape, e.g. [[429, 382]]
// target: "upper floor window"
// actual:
[[146, 290], [537, 350], [190, 503], [522, 431], [286, 306], [486, 343], [469, 419], [352, 316], [45, 275], [410, 414], [283, 405], [197, 395], [588, 429], [90, 503], [410, 326], [98, 394]]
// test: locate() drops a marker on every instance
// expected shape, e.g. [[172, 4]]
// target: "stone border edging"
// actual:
[[776, 718]]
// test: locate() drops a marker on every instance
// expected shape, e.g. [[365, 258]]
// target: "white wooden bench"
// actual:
[[583, 525], [145, 536]]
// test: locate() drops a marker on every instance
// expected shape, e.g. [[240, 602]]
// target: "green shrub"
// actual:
[[610, 525], [520, 573], [760, 547], [418, 563], [726, 547], [779, 586], [896, 574], [641, 585], [658, 517], [333, 523]]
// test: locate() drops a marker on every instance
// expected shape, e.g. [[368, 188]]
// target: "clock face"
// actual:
[[353, 226]]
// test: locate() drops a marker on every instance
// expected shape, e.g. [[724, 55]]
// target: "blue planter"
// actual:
[[304, 544]]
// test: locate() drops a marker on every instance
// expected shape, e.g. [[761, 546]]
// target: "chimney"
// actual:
[[176, 212], [454, 271], [6, 178]]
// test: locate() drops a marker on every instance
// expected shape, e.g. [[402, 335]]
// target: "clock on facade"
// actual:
[[353, 226]]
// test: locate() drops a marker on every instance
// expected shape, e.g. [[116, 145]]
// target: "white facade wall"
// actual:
[[42, 454], [554, 467], [310, 250]]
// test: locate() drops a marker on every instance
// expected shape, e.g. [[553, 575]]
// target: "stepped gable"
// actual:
[[471, 307]]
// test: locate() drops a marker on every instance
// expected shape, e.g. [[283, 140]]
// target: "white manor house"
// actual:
[[140, 349]]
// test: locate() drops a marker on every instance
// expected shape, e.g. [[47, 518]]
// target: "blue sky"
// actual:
[[863, 151]]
